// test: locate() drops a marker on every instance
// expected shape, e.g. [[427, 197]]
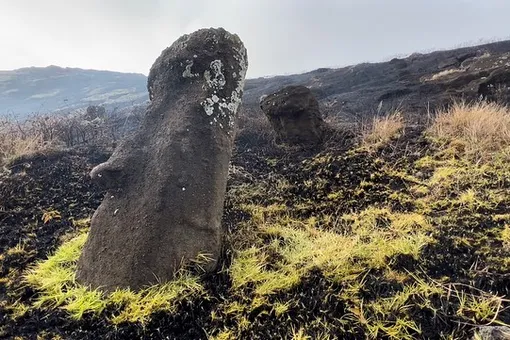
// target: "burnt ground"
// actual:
[[43, 197]]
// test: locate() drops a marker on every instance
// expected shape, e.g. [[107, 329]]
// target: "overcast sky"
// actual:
[[282, 36]]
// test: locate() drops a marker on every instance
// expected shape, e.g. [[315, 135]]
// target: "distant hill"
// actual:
[[415, 84], [42, 90]]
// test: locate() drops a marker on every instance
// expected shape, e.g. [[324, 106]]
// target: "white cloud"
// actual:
[[282, 36]]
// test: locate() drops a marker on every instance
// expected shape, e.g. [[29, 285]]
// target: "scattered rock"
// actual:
[[496, 86], [94, 111], [166, 184], [449, 62], [486, 76], [398, 63], [492, 333], [294, 114]]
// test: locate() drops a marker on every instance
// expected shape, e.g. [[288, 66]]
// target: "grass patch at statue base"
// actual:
[[54, 278]]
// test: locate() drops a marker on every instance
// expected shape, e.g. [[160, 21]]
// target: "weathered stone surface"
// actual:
[[166, 184], [294, 114], [492, 333]]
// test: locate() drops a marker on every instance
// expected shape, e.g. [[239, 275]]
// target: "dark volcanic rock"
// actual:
[[486, 76], [294, 114], [166, 184], [493, 333]]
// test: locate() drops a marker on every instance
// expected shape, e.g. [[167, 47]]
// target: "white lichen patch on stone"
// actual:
[[225, 108], [187, 70], [208, 106], [215, 79]]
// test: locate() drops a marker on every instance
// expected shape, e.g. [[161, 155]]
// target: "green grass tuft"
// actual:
[[54, 278]]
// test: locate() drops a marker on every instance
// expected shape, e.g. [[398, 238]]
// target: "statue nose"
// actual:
[[107, 176]]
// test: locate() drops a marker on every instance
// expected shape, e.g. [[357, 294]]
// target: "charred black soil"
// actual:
[[460, 266]]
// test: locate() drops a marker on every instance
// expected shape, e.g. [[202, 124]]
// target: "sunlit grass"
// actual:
[[55, 278], [383, 129], [476, 130]]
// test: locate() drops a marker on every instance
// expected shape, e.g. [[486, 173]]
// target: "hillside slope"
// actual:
[[43, 90], [416, 83]]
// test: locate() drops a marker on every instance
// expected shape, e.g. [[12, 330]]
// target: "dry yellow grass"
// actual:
[[36, 135], [15, 142], [477, 130], [445, 73], [383, 129]]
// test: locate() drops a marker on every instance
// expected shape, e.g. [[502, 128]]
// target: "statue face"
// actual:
[[210, 67]]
